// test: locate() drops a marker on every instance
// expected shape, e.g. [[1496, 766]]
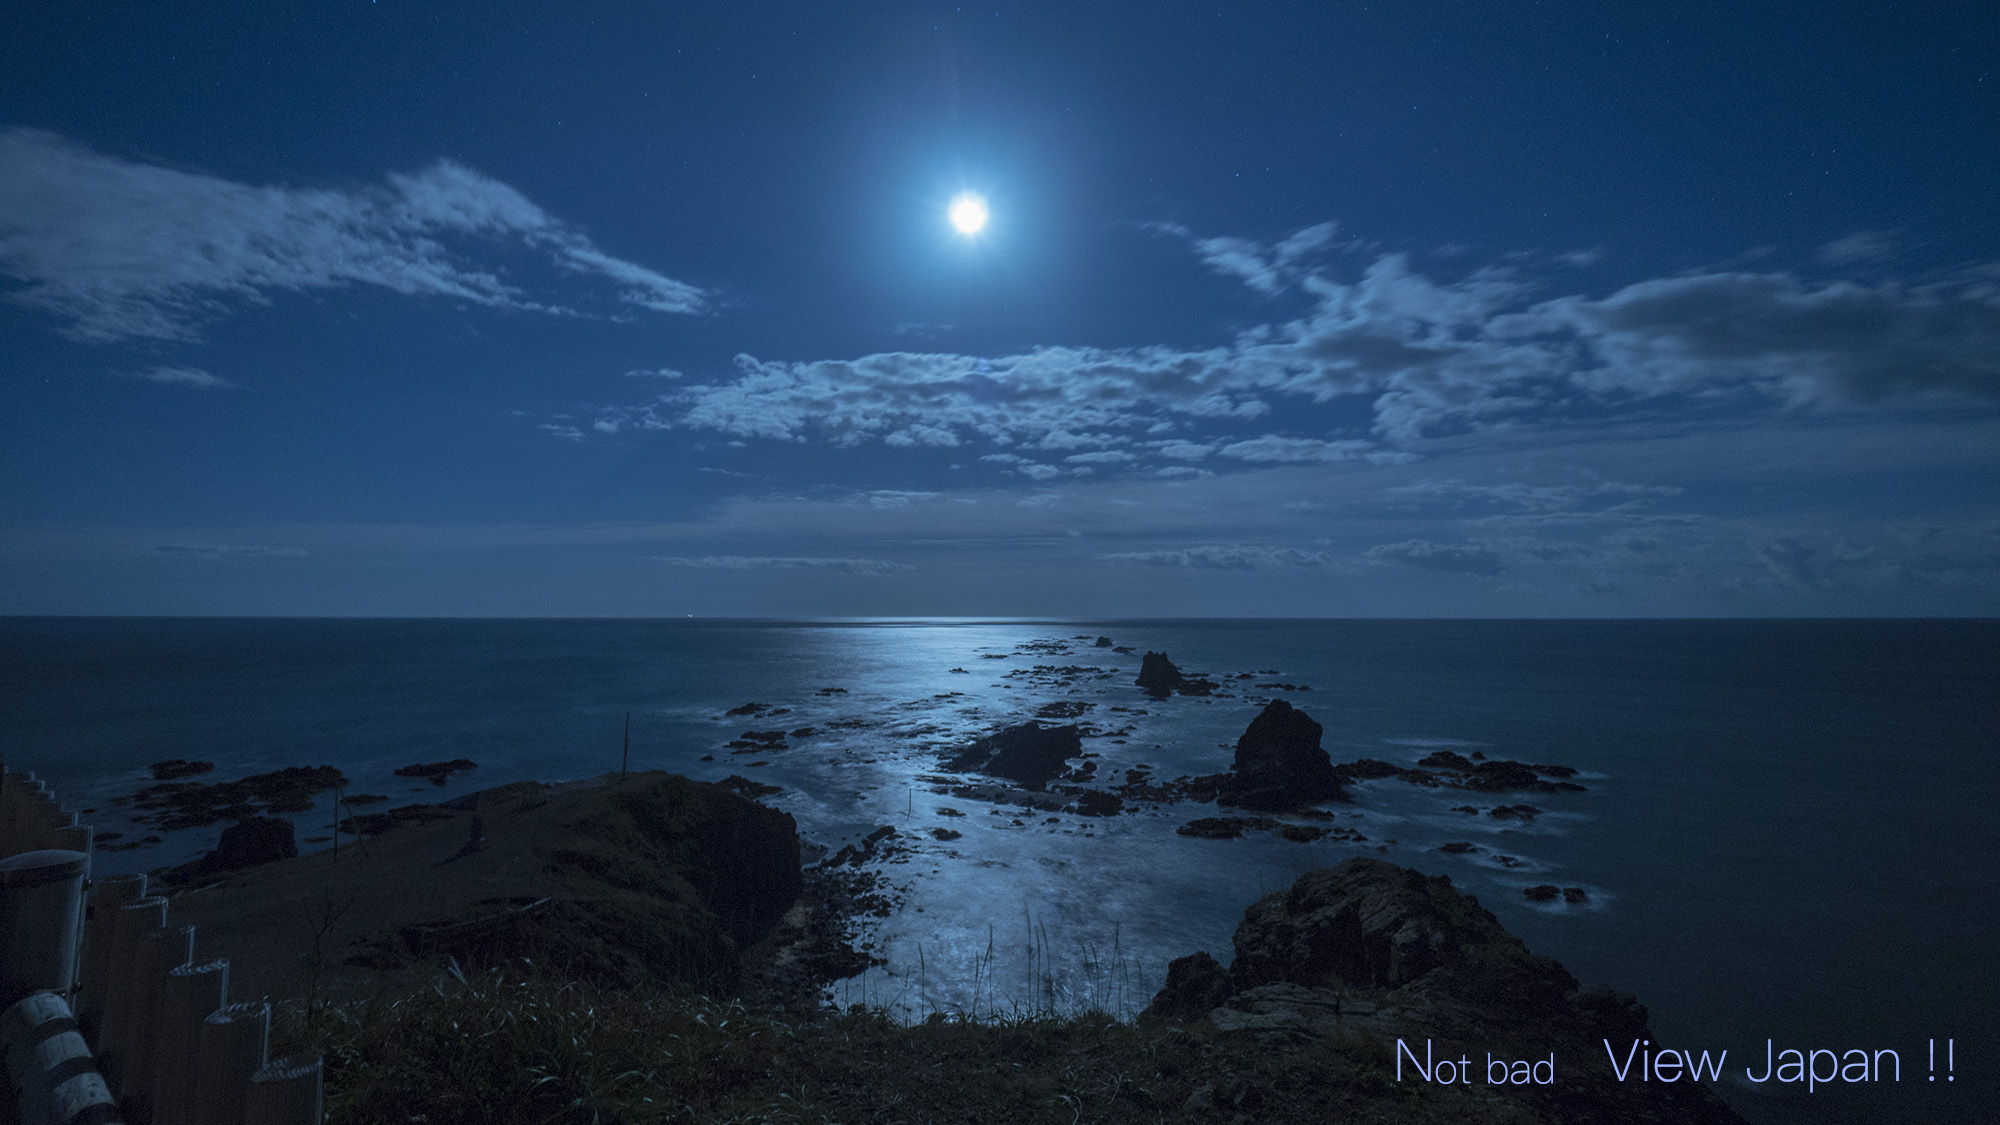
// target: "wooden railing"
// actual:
[[105, 1015]]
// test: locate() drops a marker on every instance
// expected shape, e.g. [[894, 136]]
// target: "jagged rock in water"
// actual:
[[1029, 754], [1158, 675], [1279, 763]]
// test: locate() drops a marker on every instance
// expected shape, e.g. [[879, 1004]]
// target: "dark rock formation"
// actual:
[[1195, 985], [1279, 763], [1371, 948], [1158, 675], [1102, 642], [669, 878], [1097, 802], [1367, 769], [175, 768], [438, 772], [1497, 775], [1542, 893], [1445, 760], [1223, 827], [1029, 754], [191, 804], [247, 843]]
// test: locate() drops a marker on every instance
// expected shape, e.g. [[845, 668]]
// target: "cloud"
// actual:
[[1534, 498], [1861, 246], [117, 249], [897, 497], [1430, 358], [220, 551], [182, 377], [1459, 557], [745, 562], [1233, 557], [1271, 447], [1268, 269]]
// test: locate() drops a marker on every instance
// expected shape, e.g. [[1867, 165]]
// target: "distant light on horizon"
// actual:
[[968, 213]]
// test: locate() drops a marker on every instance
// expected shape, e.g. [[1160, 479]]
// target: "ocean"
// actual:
[[1788, 834]]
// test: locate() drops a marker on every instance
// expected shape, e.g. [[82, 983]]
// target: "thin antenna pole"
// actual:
[[627, 756]]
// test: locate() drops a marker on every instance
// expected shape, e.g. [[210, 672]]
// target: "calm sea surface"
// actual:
[[1791, 830]]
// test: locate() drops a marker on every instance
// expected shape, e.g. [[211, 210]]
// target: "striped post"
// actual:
[[233, 1042], [49, 1063]]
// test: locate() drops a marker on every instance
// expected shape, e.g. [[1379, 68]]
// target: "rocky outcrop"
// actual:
[[669, 878], [1279, 763], [1029, 754], [1158, 675], [1375, 949], [250, 842], [1499, 775], [1196, 985], [438, 772]]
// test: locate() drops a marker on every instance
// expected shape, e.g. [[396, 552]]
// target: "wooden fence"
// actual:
[[105, 1014]]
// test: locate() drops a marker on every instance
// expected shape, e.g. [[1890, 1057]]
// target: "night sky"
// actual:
[[1332, 309]]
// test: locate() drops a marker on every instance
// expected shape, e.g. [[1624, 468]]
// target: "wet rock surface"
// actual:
[[1029, 754]]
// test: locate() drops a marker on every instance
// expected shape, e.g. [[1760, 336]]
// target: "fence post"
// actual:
[[284, 1092], [41, 900], [232, 1046], [99, 912], [160, 952], [189, 993], [129, 926]]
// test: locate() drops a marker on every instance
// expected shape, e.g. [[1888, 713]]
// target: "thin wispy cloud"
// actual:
[[749, 562], [220, 551], [1463, 558], [182, 377], [118, 249], [1227, 557]]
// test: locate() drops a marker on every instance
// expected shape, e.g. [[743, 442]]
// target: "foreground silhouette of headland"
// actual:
[[639, 906]]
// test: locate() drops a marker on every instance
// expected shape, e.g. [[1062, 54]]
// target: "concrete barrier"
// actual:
[[41, 905]]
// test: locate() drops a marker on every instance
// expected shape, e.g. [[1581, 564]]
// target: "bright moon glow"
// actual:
[[968, 213]]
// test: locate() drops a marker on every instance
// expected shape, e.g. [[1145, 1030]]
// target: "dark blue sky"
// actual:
[[1284, 309]]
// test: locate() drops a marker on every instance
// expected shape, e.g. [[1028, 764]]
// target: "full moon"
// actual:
[[968, 213]]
